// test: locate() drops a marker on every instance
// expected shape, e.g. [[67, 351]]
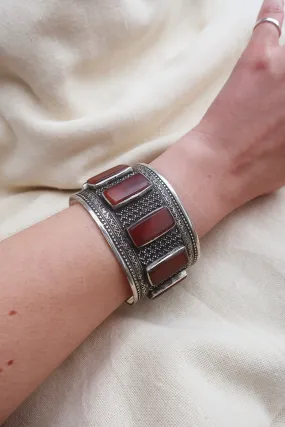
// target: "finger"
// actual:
[[267, 33]]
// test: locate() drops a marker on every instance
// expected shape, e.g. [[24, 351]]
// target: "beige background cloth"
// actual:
[[87, 84]]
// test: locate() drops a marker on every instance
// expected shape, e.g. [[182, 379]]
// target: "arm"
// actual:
[[53, 294]]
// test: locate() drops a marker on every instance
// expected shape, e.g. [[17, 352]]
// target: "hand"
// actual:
[[246, 122], [237, 151]]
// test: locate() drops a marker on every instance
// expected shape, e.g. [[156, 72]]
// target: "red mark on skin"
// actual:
[[10, 362], [1, 370], [12, 312]]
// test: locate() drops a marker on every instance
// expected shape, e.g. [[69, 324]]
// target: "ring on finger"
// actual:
[[269, 20]]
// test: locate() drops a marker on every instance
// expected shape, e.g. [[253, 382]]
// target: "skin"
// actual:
[[53, 295]]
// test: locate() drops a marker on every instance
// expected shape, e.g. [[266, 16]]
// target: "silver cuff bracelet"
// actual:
[[145, 224]]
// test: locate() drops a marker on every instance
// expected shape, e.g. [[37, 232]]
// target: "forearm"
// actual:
[[59, 279], [52, 296]]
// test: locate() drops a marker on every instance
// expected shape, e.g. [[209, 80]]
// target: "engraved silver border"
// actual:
[[119, 237], [77, 199], [168, 284], [105, 181], [183, 222], [129, 199], [175, 195], [164, 259], [143, 219]]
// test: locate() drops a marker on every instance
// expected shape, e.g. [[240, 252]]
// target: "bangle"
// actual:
[[145, 224]]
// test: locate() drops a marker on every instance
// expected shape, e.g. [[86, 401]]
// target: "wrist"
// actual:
[[202, 178]]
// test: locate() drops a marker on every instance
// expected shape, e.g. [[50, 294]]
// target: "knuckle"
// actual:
[[273, 8], [259, 60]]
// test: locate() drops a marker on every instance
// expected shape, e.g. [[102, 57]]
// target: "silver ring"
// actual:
[[270, 21]]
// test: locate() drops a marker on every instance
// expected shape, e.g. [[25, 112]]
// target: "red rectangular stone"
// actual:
[[151, 227], [127, 190], [108, 174], [163, 269]]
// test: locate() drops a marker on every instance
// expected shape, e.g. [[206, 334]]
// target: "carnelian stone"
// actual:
[[126, 189], [150, 228], [168, 268], [106, 174]]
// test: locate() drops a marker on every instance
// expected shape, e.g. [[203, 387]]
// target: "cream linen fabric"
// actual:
[[87, 84]]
